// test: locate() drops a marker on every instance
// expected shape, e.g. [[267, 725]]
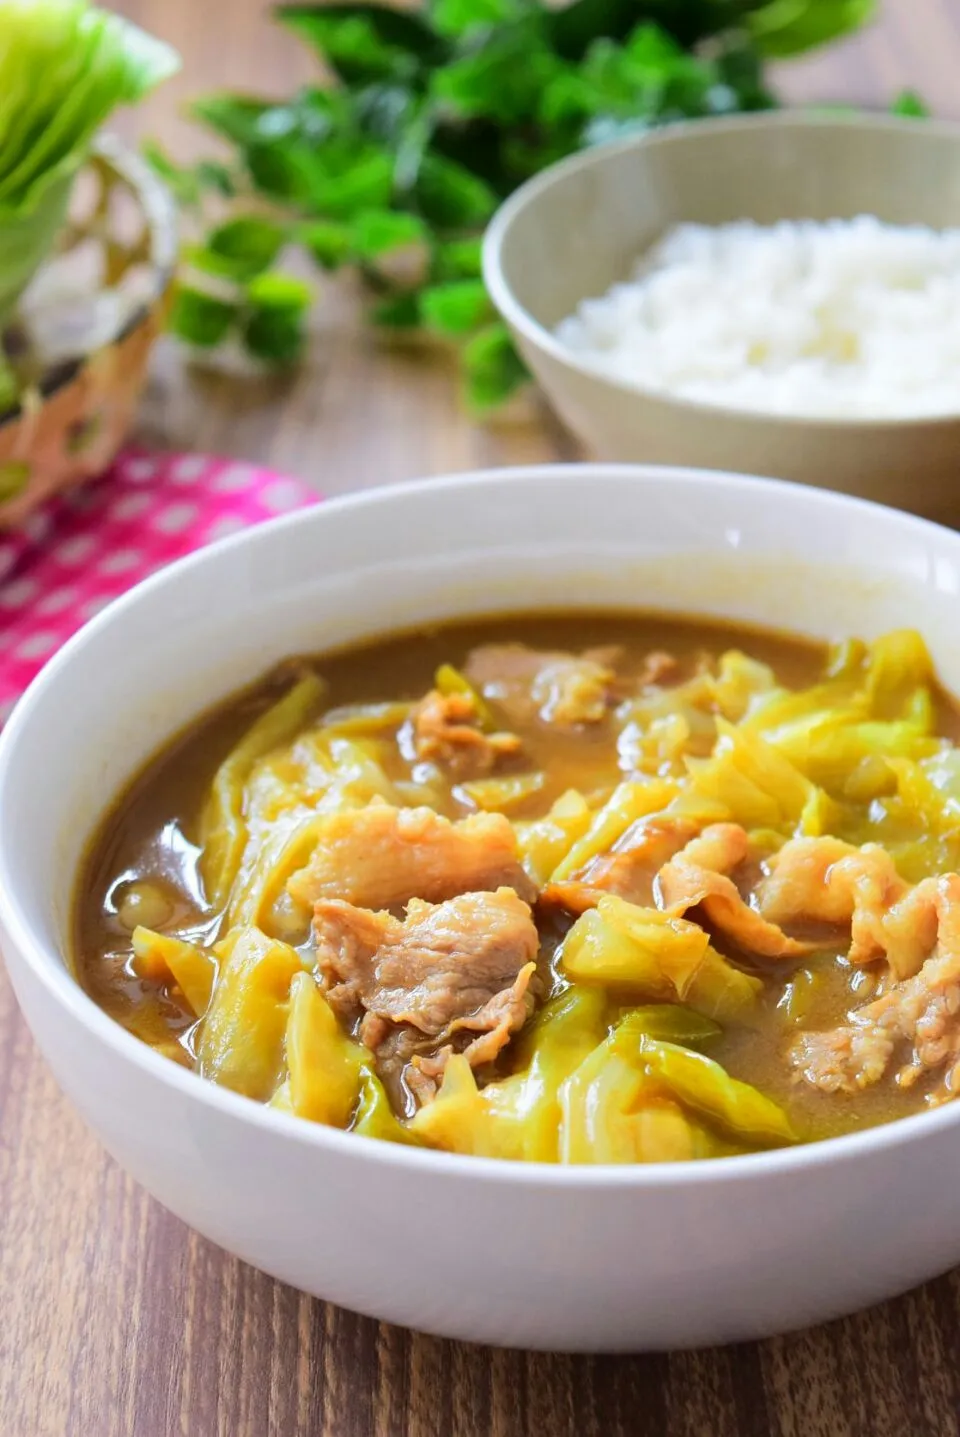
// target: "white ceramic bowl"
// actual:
[[565, 1258]]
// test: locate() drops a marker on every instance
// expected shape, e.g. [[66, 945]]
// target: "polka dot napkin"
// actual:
[[80, 550]]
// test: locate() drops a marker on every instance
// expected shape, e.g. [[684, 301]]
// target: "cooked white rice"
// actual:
[[842, 319]]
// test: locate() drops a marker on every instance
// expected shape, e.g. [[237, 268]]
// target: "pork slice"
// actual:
[[381, 857], [698, 877], [446, 730], [918, 1017], [629, 869], [842, 1060], [564, 690], [658, 667], [826, 880], [424, 985]]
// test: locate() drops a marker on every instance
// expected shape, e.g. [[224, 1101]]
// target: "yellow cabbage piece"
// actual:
[[657, 747], [282, 842], [915, 820], [496, 795], [188, 965], [543, 842], [629, 801], [875, 702], [330, 1078], [637, 1099], [658, 956], [899, 679], [223, 829], [800, 995], [365, 720], [374, 1116], [662, 726], [754, 783], [449, 680], [698, 1083], [612, 1113], [516, 1117], [323, 1064], [740, 683], [674, 1023], [242, 1035]]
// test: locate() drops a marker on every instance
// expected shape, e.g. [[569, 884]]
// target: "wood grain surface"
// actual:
[[115, 1319]]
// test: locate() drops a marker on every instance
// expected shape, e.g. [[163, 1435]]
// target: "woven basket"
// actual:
[[84, 330]]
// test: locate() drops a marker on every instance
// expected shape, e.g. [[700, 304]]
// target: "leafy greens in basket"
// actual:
[[423, 122], [64, 67]]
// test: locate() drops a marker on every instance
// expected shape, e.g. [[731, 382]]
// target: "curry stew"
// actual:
[[568, 888]]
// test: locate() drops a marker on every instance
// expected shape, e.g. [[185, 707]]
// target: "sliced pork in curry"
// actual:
[[448, 976], [699, 877], [560, 689], [629, 870], [448, 729], [381, 857], [826, 880]]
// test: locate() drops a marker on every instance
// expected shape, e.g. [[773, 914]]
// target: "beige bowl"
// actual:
[[578, 227]]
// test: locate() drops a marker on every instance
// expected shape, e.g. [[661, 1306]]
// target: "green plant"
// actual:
[[428, 120]]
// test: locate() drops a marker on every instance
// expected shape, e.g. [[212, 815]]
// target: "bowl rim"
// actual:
[[518, 317], [49, 968]]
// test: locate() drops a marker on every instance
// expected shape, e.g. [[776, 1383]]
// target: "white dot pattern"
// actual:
[[69, 559]]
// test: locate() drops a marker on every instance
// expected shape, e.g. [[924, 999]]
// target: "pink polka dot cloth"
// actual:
[[82, 549]]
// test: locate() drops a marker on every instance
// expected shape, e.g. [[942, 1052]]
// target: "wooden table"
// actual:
[[115, 1320]]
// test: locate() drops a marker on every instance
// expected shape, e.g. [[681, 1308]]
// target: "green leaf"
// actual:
[[740, 67], [450, 197], [500, 80], [456, 308], [275, 336], [789, 27], [278, 172], [236, 117], [909, 104], [573, 28], [199, 318], [217, 178], [182, 181], [367, 184], [188, 183], [456, 18], [492, 368], [400, 311], [385, 111], [329, 243], [279, 293], [377, 232], [459, 259], [363, 42], [245, 246]]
